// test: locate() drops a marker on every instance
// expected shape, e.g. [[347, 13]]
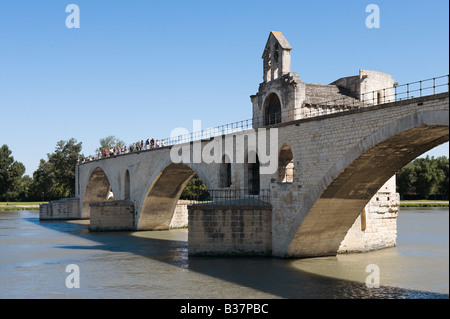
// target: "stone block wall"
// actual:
[[180, 215], [67, 208], [371, 81], [112, 216], [228, 230], [320, 93], [375, 227]]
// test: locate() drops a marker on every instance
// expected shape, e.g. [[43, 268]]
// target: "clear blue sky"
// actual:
[[138, 69]]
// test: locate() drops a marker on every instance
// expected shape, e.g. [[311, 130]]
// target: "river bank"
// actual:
[[424, 203], [7, 206]]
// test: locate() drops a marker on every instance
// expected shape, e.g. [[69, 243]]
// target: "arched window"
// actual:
[[272, 114], [285, 165]]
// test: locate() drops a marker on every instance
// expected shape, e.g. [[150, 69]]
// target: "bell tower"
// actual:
[[276, 57], [281, 91]]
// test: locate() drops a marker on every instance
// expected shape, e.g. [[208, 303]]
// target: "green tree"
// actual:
[[25, 188], [443, 183], [195, 189], [108, 143], [425, 170], [64, 160], [425, 176], [55, 178], [10, 174], [42, 187], [406, 179]]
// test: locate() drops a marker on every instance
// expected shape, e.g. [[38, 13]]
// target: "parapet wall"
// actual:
[[230, 230]]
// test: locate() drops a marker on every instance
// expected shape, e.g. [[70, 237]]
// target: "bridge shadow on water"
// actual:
[[275, 276]]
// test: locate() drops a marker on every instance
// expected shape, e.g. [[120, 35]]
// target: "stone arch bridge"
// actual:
[[341, 161], [324, 156]]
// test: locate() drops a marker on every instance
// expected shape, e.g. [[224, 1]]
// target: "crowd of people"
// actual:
[[119, 150]]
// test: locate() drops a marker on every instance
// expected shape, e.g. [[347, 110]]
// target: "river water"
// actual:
[[34, 255]]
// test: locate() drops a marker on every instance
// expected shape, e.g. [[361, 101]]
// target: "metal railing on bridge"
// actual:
[[395, 93], [232, 197], [421, 88]]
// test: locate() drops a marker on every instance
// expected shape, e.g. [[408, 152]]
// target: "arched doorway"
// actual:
[[272, 113]]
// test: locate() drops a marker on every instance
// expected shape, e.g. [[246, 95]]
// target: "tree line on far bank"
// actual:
[[423, 178]]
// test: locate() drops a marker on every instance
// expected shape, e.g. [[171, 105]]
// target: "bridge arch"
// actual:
[[98, 189], [335, 203], [163, 191]]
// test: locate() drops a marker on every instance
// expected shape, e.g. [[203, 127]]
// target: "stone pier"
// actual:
[[112, 216], [230, 230], [67, 208]]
